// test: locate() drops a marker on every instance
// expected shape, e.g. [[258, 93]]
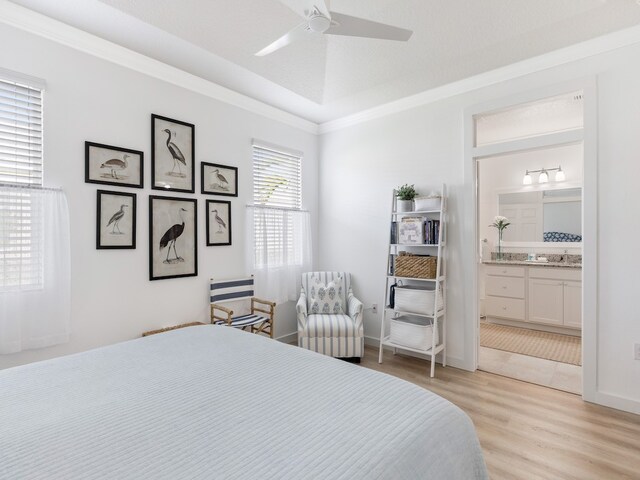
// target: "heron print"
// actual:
[[116, 220], [218, 222], [173, 154], [173, 237], [170, 237]]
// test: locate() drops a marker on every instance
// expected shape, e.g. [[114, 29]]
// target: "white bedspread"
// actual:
[[217, 403]]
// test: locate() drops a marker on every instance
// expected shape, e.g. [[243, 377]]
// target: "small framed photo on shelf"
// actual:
[[219, 179], [172, 154], [115, 220], [218, 222], [173, 233], [411, 231], [110, 165]]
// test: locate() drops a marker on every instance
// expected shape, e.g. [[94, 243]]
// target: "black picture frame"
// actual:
[[97, 160], [226, 186], [166, 154], [218, 214], [108, 214], [165, 214]]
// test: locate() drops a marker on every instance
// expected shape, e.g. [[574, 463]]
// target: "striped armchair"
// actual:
[[338, 334]]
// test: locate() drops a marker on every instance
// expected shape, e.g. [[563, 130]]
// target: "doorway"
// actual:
[[528, 163]]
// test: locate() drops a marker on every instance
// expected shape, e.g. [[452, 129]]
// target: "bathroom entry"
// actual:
[[529, 213]]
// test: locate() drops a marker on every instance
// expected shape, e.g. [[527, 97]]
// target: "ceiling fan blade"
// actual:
[[342, 24], [304, 8], [292, 36]]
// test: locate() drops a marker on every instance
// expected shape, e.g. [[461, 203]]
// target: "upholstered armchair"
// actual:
[[330, 318]]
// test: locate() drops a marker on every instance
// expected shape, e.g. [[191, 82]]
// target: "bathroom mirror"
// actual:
[[543, 216]]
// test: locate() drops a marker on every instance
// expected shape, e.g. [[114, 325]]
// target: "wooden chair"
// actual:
[[222, 291]]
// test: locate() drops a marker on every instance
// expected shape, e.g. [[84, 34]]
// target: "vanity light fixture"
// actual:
[[544, 175]]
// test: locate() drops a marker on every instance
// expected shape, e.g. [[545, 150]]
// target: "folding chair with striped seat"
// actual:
[[240, 289]]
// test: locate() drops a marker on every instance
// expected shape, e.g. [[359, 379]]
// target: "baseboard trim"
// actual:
[[288, 338], [615, 401]]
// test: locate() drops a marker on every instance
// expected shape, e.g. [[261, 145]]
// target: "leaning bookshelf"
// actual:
[[414, 313]]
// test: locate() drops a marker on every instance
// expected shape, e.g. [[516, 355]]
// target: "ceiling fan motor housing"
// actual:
[[319, 23]]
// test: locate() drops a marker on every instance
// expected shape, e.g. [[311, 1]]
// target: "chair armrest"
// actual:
[[269, 312], [354, 310], [301, 310], [266, 302], [226, 310]]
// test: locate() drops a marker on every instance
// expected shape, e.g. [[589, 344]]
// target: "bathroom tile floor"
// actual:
[[561, 376]]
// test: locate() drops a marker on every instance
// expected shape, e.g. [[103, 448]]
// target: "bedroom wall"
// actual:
[[360, 165], [91, 99]]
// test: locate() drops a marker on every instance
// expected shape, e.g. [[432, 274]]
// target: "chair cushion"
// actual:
[[327, 298], [338, 325], [244, 320]]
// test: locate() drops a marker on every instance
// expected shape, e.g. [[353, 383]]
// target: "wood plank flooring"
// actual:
[[527, 431]]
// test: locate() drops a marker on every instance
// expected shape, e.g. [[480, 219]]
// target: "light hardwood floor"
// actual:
[[527, 431]]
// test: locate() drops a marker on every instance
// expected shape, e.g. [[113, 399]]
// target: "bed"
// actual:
[[211, 402]]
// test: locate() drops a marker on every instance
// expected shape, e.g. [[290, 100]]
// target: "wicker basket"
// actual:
[[415, 266]]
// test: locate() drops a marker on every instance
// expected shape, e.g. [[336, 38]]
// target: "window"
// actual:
[[276, 177], [281, 250], [34, 227], [21, 262]]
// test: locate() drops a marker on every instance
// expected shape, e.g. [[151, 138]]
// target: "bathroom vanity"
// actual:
[[535, 295]]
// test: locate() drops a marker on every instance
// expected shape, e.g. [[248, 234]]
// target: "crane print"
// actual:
[[219, 221], [169, 239], [115, 220], [176, 154], [219, 180], [115, 165]]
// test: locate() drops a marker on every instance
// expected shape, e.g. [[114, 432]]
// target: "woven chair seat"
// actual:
[[244, 320]]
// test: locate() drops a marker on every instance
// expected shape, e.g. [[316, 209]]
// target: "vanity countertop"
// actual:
[[533, 264]]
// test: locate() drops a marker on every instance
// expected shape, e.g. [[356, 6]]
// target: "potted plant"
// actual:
[[500, 223], [406, 194]]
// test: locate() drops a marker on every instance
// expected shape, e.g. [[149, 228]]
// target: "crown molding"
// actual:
[[579, 51], [20, 17]]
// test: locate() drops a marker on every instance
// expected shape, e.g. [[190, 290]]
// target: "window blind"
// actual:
[[21, 206], [276, 178], [20, 134]]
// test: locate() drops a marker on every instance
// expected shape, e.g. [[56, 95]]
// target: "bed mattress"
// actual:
[[212, 402]]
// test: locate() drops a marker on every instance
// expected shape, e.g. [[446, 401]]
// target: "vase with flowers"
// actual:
[[500, 223]]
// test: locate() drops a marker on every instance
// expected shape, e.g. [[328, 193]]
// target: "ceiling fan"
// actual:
[[318, 19]]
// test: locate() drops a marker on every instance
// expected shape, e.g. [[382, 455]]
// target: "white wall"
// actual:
[[91, 99], [361, 164]]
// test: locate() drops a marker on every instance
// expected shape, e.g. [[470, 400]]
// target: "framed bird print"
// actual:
[[173, 232], [116, 220], [111, 165], [219, 179], [218, 222], [172, 154]]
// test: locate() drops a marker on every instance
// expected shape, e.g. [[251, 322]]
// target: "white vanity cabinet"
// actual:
[[542, 297]]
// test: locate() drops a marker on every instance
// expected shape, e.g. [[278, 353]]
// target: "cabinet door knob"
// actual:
[[504, 287], [504, 308]]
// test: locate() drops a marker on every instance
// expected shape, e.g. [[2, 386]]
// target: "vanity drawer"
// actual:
[[505, 286], [505, 271], [505, 307], [556, 273]]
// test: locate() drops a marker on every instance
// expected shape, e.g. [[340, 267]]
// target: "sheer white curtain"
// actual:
[[278, 250], [35, 301]]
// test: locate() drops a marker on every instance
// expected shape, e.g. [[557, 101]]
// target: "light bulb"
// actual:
[[560, 177], [544, 177], [527, 179]]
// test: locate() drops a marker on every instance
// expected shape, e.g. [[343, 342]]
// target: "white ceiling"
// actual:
[[327, 77]]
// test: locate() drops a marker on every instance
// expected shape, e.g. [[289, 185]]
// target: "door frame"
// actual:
[[588, 135]]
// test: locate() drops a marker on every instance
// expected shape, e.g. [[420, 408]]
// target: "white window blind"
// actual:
[[21, 209], [281, 230], [20, 134], [277, 179]]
